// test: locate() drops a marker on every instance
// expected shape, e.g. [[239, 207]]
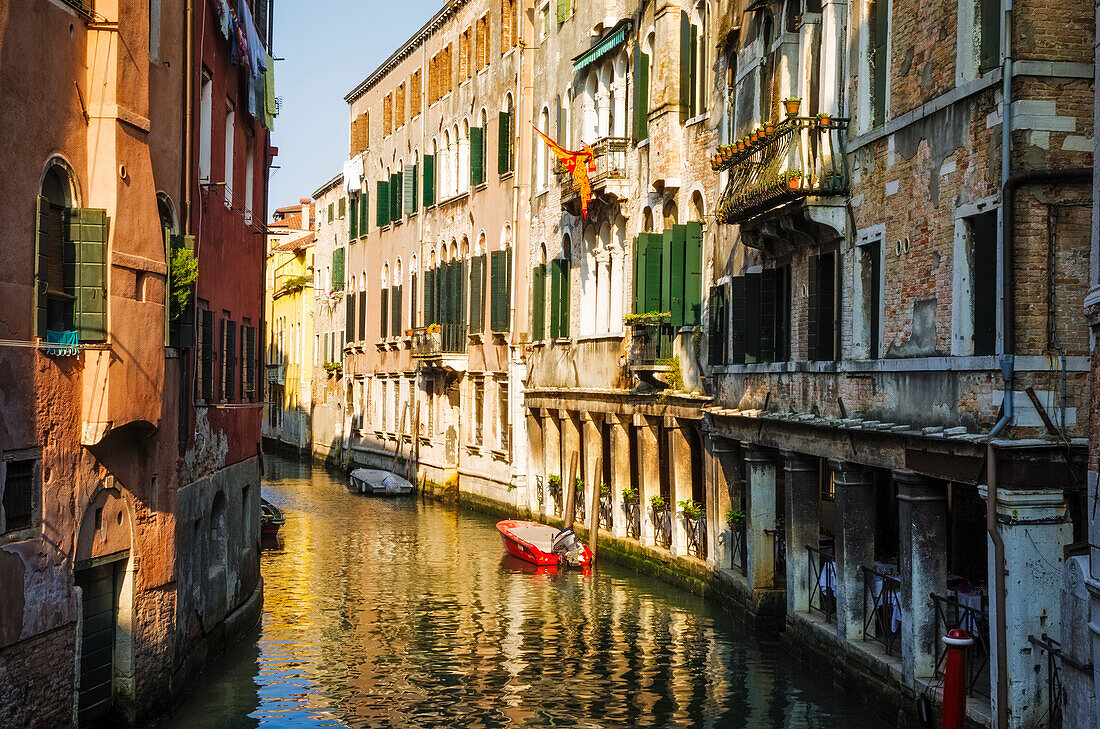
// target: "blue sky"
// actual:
[[329, 47]]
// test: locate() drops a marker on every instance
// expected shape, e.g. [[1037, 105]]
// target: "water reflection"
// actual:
[[384, 613]]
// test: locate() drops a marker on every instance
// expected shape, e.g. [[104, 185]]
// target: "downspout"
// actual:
[[188, 114]]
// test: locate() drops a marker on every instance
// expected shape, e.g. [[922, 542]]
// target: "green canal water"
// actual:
[[402, 613]]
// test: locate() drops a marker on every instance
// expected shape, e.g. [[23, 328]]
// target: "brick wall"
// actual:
[[36, 680]]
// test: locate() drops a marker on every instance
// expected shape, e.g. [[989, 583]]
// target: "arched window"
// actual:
[[699, 45], [647, 220], [670, 213], [767, 39], [731, 89], [68, 297], [444, 166], [698, 207], [542, 153], [464, 157]]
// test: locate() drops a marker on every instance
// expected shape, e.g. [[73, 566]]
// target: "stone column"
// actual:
[[719, 536], [760, 515], [620, 472], [922, 511], [1034, 529], [679, 450], [551, 456], [535, 464], [803, 525], [650, 470], [855, 543], [593, 451]]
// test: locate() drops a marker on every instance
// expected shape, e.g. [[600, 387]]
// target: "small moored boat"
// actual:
[[542, 545], [271, 519], [376, 481]]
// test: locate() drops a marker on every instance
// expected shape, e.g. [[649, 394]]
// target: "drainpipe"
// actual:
[[189, 110]]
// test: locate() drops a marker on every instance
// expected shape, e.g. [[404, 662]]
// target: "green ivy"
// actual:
[[185, 269]]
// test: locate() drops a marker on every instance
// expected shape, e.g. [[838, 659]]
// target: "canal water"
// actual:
[[402, 613]]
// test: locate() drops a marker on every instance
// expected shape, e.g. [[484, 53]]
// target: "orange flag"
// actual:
[[579, 165]]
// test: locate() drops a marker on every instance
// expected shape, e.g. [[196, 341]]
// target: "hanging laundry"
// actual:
[[353, 174], [225, 19], [253, 45], [269, 94]]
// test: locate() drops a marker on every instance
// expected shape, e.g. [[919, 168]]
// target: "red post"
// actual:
[[954, 679]]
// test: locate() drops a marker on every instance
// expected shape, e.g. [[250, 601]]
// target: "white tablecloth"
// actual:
[[968, 619], [891, 601], [827, 579]]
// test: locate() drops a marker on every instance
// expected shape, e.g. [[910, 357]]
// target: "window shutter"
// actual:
[[396, 188], [395, 311], [41, 266], [384, 309], [364, 210], [685, 66], [639, 272], [477, 156], [560, 122], [248, 362], [349, 317], [331, 213], [229, 391], [641, 96], [382, 204], [752, 317], [693, 73], [412, 301], [429, 180], [783, 314], [714, 341], [338, 269], [206, 363], [813, 320], [362, 316], [653, 254], [504, 143], [87, 230], [563, 10], [353, 220], [880, 64], [990, 55], [477, 293], [501, 290], [462, 272], [693, 273], [342, 207], [538, 303], [555, 298], [429, 299], [409, 189], [767, 314], [737, 306]]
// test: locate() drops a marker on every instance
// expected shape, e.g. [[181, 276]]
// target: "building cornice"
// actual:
[[339, 178], [442, 15]]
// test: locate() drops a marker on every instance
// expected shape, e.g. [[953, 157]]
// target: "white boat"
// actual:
[[376, 481]]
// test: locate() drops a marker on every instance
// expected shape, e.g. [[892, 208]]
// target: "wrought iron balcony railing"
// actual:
[[438, 340], [650, 344], [610, 165], [802, 157]]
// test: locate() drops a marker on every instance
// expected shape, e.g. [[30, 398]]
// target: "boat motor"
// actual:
[[568, 547]]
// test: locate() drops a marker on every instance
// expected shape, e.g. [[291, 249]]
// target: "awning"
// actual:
[[605, 45]]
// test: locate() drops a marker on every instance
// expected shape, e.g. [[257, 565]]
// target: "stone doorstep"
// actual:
[[814, 641]]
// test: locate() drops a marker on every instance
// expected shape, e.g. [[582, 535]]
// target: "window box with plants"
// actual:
[[334, 368], [647, 319], [696, 523]]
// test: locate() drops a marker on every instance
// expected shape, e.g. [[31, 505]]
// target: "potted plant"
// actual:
[[824, 120], [735, 517], [657, 503], [741, 145], [553, 482], [769, 127], [691, 509], [605, 490], [648, 319], [791, 104], [793, 179]]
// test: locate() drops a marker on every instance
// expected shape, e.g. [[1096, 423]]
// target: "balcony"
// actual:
[[610, 174], [800, 159], [443, 345]]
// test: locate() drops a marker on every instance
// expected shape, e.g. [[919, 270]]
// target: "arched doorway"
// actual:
[[104, 576]]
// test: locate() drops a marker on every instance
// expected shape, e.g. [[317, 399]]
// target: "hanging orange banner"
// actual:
[[579, 165]]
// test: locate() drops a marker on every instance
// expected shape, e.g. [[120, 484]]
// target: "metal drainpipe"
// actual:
[[189, 111]]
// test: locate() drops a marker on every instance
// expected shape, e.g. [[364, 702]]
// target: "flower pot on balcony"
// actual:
[[824, 120], [791, 105], [740, 145], [769, 128]]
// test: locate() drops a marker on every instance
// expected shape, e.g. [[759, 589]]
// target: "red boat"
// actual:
[[543, 545]]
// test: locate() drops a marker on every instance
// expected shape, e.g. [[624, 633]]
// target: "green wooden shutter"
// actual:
[[342, 207], [338, 269], [364, 208], [639, 274], [477, 294], [463, 271], [538, 303], [429, 298], [555, 298], [504, 143], [693, 273], [362, 316], [412, 301], [767, 314], [384, 310], [429, 180], [353, 220], [737, 305], [641, 96], [41, 266], [87, 231], [560, 127], [477, 156], [501, 290], [382, 204], [814, 321], [654, 252], [331, 213], [395, 196], [349, 317], [752, 317], [880, 63], [409, 189], [685, 66], [563, 10], [990, 54], [395, 311]]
